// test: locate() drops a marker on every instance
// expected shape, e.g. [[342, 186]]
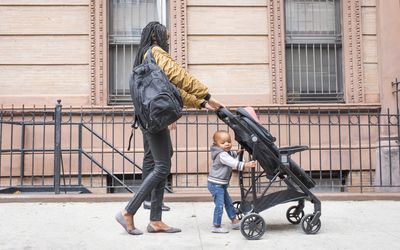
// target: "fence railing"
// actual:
[[66, 149]]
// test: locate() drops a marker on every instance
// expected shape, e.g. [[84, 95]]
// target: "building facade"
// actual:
[[304, 56]]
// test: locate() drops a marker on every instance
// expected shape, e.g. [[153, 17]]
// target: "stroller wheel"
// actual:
[[309, 228], [294, 215], [238, 211], [253, 226]]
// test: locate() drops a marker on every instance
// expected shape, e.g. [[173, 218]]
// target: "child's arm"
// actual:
[[230, 161], [234, 163]]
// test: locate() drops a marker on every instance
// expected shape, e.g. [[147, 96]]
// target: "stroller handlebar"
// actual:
[[225, 115]]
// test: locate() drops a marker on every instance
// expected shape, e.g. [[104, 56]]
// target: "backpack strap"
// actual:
[[135, 125], [149, 55]]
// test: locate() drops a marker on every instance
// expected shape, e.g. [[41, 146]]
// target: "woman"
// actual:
[[194, 95]]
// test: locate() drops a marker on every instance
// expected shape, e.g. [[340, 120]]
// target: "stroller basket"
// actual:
[[276, 164]]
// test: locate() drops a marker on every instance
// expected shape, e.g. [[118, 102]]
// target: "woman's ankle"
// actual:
[[158, 224], [126, 213], [128, 219]]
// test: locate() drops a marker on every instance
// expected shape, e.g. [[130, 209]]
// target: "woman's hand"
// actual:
[[172, 126], [209, 107], [214, 103]]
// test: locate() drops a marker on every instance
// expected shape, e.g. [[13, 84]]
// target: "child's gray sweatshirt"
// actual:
[[223, 163]]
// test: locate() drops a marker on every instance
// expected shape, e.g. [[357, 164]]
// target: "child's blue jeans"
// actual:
[[221, 198]]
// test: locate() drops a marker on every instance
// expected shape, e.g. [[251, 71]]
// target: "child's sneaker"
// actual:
[[219, 230], [236, 226]]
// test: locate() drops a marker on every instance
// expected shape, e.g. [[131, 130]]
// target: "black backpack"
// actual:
[[157, 102]]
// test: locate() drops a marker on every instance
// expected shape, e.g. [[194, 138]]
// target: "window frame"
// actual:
[[330, 41], [123, 98]]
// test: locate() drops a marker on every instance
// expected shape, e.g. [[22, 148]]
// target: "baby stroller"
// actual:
[[276, 166]]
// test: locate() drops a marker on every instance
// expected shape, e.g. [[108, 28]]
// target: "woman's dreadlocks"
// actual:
[[152, 30]]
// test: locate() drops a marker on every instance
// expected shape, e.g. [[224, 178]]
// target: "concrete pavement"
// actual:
[[80, 225]]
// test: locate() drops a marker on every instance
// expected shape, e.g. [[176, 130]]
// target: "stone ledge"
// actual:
[[177, 197]]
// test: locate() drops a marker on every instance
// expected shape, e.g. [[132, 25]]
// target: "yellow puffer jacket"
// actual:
[[192, 90]]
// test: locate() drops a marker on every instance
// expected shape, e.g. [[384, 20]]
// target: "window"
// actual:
[[127, 18], [313, 51]]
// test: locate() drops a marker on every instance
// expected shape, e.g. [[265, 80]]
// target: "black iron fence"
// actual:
[[66, 149]]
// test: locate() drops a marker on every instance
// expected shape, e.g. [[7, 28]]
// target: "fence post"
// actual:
[[57, 147], [80, 154], [396, 84], [22, 173]]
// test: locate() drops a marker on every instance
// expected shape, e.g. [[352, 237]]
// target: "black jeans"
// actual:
[[148, 161], [161, 150]]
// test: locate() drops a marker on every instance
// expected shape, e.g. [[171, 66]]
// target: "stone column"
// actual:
[[388, 23]]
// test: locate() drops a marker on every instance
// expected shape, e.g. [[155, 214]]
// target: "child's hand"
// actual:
[[240, 151], [250, 164]]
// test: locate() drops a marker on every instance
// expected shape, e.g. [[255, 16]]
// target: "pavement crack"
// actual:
[[197, 226]]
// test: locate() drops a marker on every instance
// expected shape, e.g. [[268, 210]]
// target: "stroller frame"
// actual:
[[298, 183]]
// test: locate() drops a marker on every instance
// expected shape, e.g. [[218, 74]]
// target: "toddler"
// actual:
[[224, 161]]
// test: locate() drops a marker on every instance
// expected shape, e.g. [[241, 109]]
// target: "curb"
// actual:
[[177, 197]]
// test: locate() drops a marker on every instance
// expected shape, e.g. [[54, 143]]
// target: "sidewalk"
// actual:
[[79, 225]]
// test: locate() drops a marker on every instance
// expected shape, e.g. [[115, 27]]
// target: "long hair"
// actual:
[[153, 32]]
